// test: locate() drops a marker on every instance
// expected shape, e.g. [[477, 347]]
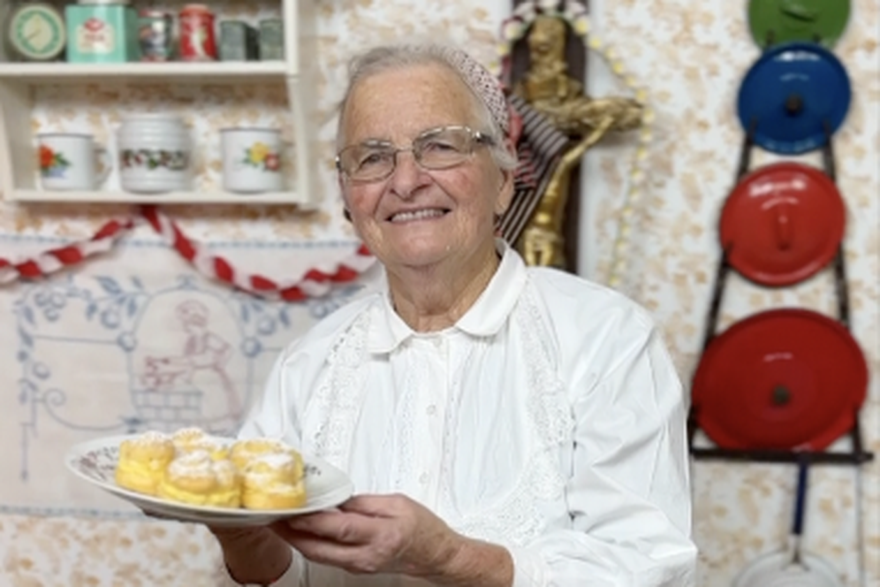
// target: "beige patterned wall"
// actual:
[[692, 56]]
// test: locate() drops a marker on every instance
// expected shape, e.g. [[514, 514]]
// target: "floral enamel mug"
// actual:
[[70, 161], [252, 160]]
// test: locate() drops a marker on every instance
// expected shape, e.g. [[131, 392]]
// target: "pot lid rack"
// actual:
[[783, 385]]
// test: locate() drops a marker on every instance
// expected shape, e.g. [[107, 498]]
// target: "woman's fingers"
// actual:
[[385, 506], [341, 527]]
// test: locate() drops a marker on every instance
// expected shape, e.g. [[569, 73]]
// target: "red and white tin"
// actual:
[[197, 38]]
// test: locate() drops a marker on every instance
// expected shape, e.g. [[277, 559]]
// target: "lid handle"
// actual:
[[782, 226], [794, 104]]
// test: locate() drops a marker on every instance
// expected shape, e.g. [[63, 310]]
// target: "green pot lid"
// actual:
[[821, 21]]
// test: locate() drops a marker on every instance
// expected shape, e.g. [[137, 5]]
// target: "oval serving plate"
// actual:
[[95, 462]]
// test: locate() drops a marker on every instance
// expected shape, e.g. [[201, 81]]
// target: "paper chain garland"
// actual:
[[56, 259], [315, 282], [575, 14]]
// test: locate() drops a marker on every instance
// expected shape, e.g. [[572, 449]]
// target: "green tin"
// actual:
[[101, 33], [271, 39], [238, 41]]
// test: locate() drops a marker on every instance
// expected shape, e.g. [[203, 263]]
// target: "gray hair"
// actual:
[[401, 56]]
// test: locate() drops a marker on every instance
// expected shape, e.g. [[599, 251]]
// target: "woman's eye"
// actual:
[[438, 146], [372, 159]]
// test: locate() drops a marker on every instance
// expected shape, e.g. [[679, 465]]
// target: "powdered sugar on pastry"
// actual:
[[196, 477]]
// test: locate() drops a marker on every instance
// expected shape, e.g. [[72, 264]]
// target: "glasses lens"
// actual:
[[444, 147], [363, 162]]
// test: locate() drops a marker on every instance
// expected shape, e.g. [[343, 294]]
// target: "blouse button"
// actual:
[[423, 478], [431, 410]]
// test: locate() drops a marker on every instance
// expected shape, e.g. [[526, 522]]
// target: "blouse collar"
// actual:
[[485, 318]]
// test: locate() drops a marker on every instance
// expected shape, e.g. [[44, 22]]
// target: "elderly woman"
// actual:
[[503, 425]]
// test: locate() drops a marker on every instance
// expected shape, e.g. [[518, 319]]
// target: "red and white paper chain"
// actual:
[[315, 283], [54, 260]]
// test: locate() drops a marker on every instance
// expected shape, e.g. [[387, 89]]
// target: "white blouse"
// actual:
[[548, 420]]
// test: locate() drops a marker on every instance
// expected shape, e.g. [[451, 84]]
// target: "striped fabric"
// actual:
[[539, 147]]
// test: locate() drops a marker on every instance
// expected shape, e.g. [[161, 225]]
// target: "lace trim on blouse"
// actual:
[[517, 519], [339, 397]]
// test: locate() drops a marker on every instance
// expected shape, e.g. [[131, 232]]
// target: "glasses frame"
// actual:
[[477, 138]]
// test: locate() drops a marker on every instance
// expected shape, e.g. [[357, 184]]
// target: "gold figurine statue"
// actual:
[[549, 89]]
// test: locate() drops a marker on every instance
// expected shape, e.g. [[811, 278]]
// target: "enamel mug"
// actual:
[[252, 160], [70, 161]]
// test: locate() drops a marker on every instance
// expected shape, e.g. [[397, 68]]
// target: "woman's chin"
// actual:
[[421, 253]]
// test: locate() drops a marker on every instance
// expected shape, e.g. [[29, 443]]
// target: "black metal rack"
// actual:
[[857, 454]]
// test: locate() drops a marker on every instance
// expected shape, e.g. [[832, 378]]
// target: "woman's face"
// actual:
[[454, 207]]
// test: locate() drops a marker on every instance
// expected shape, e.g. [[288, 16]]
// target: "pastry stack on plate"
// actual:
[[191, 467]]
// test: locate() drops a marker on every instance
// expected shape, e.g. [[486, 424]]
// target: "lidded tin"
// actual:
[[197, 37], [238, 41], [155, 33], [101, 31], [271, 39]]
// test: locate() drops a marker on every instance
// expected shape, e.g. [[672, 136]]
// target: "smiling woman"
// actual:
[[502, 425]]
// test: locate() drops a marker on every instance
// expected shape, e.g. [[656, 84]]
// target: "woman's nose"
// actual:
[[407, 176]]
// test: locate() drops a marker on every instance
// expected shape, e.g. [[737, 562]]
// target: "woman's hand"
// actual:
[[375, 534]]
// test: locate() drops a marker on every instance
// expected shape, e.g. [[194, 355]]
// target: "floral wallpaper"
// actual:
[[691, 56]]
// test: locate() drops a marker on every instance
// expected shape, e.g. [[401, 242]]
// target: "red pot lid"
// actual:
[[782, 223], [780, 379]]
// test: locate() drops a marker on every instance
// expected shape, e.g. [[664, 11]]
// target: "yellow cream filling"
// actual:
[[223, 497]]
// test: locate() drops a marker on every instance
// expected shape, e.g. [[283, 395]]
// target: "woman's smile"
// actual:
[[418, 215]]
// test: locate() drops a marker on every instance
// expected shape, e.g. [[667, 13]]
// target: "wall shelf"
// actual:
[[20, 82], [177, 72], [120, 197]]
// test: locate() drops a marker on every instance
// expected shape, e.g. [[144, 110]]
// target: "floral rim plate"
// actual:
[[95, 462]]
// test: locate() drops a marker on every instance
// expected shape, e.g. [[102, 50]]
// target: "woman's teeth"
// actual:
[[417, 215]]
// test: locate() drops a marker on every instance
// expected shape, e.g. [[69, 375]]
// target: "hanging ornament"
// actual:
[[574, 13]]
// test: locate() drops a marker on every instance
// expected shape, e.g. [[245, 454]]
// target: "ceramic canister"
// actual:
[[252, 160], [155, 153], [101, 31]]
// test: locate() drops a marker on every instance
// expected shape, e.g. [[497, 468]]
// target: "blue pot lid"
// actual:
[[790, 93]]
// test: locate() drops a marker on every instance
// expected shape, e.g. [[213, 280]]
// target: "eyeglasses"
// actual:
[[438, 148]]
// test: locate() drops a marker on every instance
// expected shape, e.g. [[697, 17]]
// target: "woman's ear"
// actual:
[[340, 181], [505, 188]]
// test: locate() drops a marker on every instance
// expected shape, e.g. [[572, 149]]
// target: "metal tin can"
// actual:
[[271, 39], [197, 42], [238, 41], [155, 32]]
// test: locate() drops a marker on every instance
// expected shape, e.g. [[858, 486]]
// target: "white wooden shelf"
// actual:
[[119, 197], [177, 72], [20, 82]]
